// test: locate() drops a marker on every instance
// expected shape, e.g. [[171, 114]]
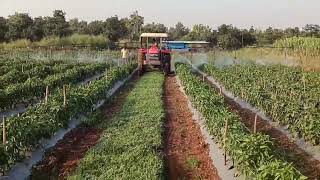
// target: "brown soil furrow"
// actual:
[[187, 154]]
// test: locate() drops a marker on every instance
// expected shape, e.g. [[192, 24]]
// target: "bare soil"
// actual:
[[60, 160], [304, 162], [187, 154]]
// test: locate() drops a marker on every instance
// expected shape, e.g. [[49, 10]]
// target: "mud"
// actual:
[[186, 153]]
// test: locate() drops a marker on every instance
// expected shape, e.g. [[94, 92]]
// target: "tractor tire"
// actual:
[[166, 69], [167, 61]]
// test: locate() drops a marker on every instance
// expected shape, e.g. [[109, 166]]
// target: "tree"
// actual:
[[292, 32], [3, 29], [96, 27], [115, 29], [312, 30], [247, 38], [79, 27], [228, 41], [229, 37], [37, 30], [19, 26], [178, 31], [155, 28], [199, 33], [134, 25], [56, 25]]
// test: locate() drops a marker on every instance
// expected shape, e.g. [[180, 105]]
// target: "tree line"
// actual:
[[22, 26]]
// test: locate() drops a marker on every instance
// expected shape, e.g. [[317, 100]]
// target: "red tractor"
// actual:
[[154, 53]]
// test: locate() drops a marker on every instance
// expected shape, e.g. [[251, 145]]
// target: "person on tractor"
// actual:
[[154, 47]]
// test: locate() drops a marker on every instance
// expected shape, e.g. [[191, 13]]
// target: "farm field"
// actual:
[[147, 130], [67, 100], [217, 90], [289, 96], [253, 154]]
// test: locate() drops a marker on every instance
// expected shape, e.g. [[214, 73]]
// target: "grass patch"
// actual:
[[193, 162]]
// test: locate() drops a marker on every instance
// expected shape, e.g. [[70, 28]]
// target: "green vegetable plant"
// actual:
[[131, 144], [42, 121], [250, 152]]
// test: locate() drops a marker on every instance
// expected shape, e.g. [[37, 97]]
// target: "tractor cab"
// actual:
[[154, 52]]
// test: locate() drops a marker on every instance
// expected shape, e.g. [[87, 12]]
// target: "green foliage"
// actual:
[[249, 151], [278, 170], [192, 162], [288, 95], [19, 26], [155, 28], [199, 32], [3, 29], [131, 145], [77, 40], [300, 45], [134, 24], [178, 31], [115, 28], [56, 25], [94, 118], [42, 121], [21, 43], [24, 86]]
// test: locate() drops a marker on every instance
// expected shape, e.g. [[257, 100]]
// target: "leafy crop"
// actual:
[[132, 141], [289, 96], [42, 121], [34, 87], [253, 154]]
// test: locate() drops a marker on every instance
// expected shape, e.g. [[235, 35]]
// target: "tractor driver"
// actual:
[[154, 47]]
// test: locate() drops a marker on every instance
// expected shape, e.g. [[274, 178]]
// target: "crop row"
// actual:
[[41, 71], [35, 87], [9, 64], [130, 147], [42, 121], [288, 95], [253, 154]]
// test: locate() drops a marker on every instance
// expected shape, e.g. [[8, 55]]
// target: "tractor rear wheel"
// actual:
[[166, 68]]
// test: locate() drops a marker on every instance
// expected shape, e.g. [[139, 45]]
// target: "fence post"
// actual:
[[225, 141], [47, 94], [64, 95], [255, 124], [4, 133]]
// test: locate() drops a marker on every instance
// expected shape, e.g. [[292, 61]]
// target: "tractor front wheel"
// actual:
[[166, 68]]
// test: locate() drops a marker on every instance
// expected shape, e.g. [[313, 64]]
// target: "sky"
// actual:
[[241, 13]]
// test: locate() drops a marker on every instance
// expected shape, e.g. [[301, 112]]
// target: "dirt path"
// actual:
[[187, 154], [305, 163], [63, 158]]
